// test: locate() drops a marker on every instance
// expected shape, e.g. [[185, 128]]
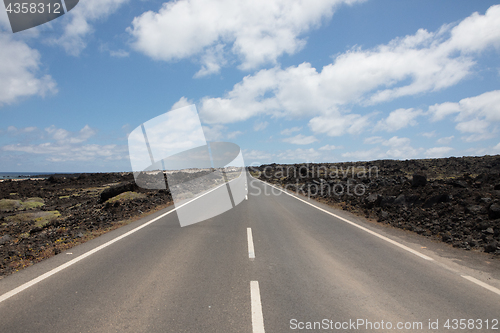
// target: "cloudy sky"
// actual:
[[289, 81]]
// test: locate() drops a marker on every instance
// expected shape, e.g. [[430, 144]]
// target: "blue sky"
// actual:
[[288, 81]]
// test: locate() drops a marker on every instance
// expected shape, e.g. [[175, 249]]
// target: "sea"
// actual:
[[24, 175]]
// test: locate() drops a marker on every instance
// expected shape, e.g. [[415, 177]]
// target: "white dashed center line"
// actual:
[[251, 251], [257, 317]]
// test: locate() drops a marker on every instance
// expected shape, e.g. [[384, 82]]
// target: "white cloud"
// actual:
[[340, 124], [440, 111], [182, 102], [104, 47], [260, 125], [66, 152], [477, 151], [63, 136], [63, 145], [300, 140], [373, 140], [77, 26], [329, 147], [86, 133], [481, 151], [486, 106], [58, 134], [234, 134], [477, 137], [497, 148], [438, 152], [257, 32], [212, 61], [400, 148], [299, 154], [119, 53], [429, 134], [219, 132], [396, 142], [405, 152], [475, 115], [14, 131], [398, 119], [295, 91], [415, 64], [256, 156], [436, 64], [20, 72], [445, 140], [290, 131], [477, 32], [364, 155], [395, 147], [473, 126], [214, 133]]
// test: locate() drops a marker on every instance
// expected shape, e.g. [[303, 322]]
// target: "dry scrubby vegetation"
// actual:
[[9, 205]]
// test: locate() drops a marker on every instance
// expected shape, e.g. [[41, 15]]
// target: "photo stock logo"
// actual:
[[171, 152], [26, 14]]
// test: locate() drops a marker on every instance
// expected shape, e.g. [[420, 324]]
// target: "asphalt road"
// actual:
[[309, 266]]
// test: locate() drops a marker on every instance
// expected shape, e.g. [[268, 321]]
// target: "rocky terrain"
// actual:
[[454, 200], [40, 218]]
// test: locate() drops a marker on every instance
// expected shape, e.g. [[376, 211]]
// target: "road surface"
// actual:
[[274, 263]]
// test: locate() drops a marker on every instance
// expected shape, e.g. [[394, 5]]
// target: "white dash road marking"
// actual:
[[257, 317], [482, 284], [42, 277], [251, 250], [358, 226]]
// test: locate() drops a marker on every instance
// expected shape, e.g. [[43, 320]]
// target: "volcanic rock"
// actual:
[[113, 191], [4, 239], [491, 247], [436, 199], [418, 180], [494, 211], [460, 206], [373, 200]]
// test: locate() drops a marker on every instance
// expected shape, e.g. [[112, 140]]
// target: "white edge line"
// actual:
[[251, 251], [257, 316], [482, 284], [470, 278], [42, 277], [356, 225]]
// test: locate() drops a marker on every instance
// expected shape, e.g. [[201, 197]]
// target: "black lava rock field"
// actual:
[[455, 200]]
